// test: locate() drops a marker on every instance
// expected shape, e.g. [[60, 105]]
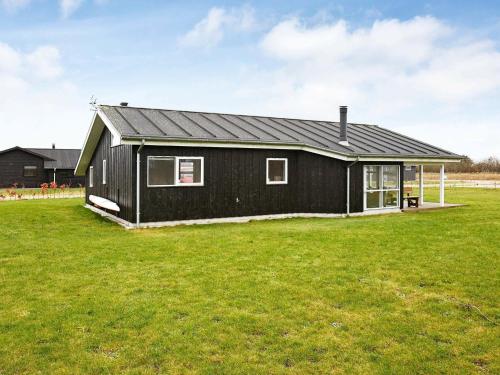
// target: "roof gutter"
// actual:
[[347, 156], [138, 185]]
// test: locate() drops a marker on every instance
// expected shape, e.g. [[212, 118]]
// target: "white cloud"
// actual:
[[68, 7], [419, 76], [45, 62], [37, 105], [14, 5], [10, 59], [42, 63], [211, 29]]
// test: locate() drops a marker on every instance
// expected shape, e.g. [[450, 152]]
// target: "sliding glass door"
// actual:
[[381, 186]]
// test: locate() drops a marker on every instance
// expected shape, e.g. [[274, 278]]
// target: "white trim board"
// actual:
[[248, 145], [124, 223], [97, 125], [290, 146], [236, 219], [116, 137], [87, 137]]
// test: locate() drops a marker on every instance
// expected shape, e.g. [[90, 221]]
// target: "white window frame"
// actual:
[[177, 182], [104, 171], [91, 176], [268, 182], [381, 189]]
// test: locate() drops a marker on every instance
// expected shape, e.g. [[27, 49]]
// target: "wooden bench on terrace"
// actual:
[[408, 195]]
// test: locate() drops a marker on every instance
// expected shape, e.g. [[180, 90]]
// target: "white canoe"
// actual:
[[104, 203]]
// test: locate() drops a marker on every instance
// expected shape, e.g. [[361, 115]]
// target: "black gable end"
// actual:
[[12, 169]]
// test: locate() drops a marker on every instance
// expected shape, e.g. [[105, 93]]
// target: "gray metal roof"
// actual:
[[61, 158], [25, 150], [364, 140]]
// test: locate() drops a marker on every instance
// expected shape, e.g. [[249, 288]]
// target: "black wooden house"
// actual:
[[164, 166], [31, 167]]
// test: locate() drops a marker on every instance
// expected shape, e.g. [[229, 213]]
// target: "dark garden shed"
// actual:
[[31, 167]]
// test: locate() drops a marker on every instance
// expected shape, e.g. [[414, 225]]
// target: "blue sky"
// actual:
[[429, 69]]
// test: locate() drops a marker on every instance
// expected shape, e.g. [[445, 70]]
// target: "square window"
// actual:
[[277, 171], [190, 171], [161, 171], [29, 171]]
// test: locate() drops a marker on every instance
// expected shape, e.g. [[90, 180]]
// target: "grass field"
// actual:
[[412, 293]]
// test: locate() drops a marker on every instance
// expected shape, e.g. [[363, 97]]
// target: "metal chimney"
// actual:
[[343, 126], [53, 146]]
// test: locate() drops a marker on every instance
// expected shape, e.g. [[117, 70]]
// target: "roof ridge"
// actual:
[[233, 114], [50, 148]]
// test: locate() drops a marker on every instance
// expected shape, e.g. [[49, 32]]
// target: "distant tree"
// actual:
[[467, 165], [491, 164]]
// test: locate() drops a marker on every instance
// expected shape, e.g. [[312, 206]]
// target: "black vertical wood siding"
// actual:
[[235, 185], [120, 181]]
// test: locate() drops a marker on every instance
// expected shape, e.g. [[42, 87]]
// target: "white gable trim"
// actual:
[[97, 125], [116, 137], [87, 137]]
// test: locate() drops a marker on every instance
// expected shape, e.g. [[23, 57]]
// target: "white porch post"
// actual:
[[421, 184], [441, 185]]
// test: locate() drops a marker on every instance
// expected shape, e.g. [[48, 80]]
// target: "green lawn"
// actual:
[[382, 294]]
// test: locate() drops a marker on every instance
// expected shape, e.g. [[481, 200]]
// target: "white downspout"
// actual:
[[421, 184], [441, 185], [138, 186], [54, 175], [348, 200]]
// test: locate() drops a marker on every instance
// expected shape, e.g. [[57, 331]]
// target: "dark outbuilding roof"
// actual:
[[26, 150], [58, 158], [364, 140]]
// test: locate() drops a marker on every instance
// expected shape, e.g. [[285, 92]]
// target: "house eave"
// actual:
[[182, 142], [412, 159]]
